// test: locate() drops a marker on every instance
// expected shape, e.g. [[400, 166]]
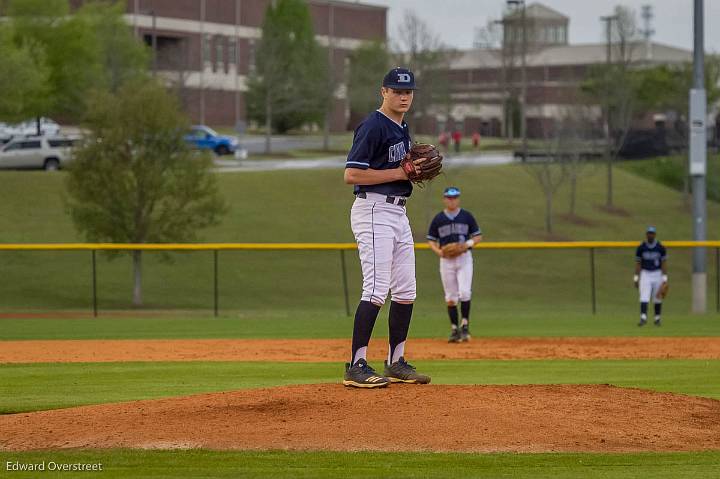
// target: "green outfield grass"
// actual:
[[203, 464], [312, 206], [30, 387], [427, 323]]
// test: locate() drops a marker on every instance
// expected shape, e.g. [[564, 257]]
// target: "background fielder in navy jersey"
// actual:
[[447, 228], [455, 225], [650, 274], [380, 143]]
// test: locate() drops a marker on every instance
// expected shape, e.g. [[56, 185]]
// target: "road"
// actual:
[[490, 158], [256, 144]]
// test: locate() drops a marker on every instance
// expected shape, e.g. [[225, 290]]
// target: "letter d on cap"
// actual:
[[403, 78]]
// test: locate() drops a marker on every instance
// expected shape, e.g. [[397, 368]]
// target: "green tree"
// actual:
[[368, 64], [666, 87], [121, 55], [288, 87], [134, 180], [91, 49], [23, 79]]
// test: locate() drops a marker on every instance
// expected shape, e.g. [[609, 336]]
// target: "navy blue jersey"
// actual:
[[649, 256], [456, 228], [380, 143]]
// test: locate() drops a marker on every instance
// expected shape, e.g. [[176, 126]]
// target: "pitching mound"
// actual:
[[401, 417], [336, 350]]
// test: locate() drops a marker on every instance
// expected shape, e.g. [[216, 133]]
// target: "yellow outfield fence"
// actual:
[[590, 246], [328, 246]]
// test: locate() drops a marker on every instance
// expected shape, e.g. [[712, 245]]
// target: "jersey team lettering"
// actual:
[[396, 152], [460, 229]]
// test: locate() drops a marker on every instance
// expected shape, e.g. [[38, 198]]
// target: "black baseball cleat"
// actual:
[[455, 336], [657, 322], [465, 334], [361, 375], [642, 322], [403, 372]]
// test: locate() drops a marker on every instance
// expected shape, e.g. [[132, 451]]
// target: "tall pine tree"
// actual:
[[289, 86]]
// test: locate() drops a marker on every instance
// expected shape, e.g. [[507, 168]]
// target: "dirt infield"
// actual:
[[337, 349], [402, 417]]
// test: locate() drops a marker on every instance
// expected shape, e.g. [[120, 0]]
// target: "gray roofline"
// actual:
[[349, 4]]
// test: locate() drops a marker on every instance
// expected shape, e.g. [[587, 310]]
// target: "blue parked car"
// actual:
[[205, 138]]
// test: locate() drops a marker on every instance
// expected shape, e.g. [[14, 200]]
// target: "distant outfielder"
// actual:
[[651, 275], [382, 165], [453, 232]]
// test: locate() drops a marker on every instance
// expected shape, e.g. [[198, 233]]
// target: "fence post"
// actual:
[[215, 283], [592, 278], [345, 285], [94, 285]]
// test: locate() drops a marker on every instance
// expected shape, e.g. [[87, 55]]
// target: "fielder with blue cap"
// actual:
[[452, 233], [651, 277]]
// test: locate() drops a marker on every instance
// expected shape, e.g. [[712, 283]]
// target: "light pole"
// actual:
[[698, 160], [523, 74], [154, 40], [606, 91]]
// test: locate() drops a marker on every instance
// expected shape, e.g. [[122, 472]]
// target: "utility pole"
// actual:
[[648, 32], [698, 160], [608, 145], [154, 42], [331, 76], [523, 74]]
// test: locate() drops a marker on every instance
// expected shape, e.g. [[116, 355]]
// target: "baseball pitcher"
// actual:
[[383, 165], [651, 275], [453, 232]]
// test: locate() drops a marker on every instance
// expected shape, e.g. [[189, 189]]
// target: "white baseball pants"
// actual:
[[386, 248], [650, 282], [456, 274]]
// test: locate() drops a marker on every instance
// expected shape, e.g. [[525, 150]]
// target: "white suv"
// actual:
[[49, 153]]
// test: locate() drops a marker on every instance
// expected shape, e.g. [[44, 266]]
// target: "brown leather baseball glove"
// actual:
[[451, 250], [663, 291], [422, 163]]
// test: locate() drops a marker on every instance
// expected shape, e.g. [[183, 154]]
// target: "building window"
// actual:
[[563, 35], [219, 54], [251, 56], [232, 51], [206, 51]]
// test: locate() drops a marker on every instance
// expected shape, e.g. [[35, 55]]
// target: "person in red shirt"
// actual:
[[457, 136], [476, 140], [443, 139]]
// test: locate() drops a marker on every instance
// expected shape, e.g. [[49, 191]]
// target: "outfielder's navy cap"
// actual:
[[451, 192], [651, 229], [400, 79]]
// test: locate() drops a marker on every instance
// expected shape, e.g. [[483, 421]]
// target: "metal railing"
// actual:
[[591, 246]]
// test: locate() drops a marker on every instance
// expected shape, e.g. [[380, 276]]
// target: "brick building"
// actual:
[[555, 70], [205, 48]]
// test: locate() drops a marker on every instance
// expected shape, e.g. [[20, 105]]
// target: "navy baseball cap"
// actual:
[[451, 192], [651, 229], [399, 79]]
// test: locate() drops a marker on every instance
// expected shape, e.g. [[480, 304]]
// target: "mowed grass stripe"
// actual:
[[31, 387], [426, 323], [204, 463]]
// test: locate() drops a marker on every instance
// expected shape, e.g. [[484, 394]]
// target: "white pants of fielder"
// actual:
[[650, 282], [456, 274], [386, 248]]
